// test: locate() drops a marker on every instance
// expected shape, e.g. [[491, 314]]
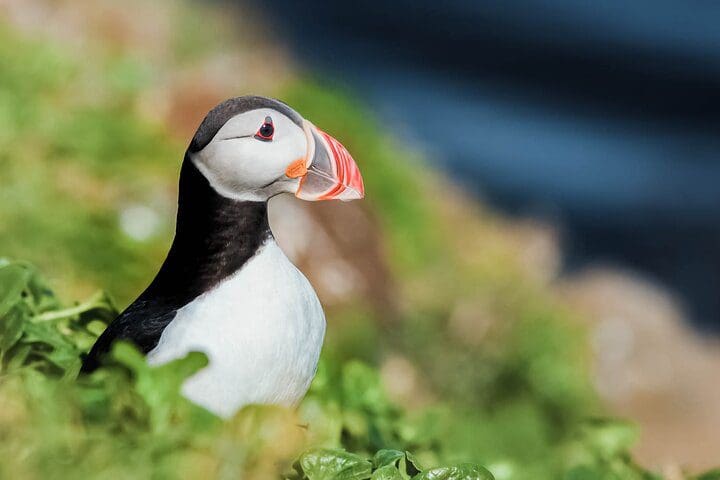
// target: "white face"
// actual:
[[239, 163]]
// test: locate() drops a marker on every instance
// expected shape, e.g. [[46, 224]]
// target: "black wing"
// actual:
[[141, 323]]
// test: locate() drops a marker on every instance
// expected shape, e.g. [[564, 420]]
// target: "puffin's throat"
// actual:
[[215, 236]]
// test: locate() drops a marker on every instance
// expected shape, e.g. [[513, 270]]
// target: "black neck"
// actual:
[[214, 237]]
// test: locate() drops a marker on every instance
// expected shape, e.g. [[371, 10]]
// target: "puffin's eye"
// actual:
[[266, 130]]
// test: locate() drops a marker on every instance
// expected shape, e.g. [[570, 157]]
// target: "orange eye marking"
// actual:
[[296, 169]]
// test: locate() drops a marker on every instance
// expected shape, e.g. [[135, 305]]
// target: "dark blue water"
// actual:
[[602, 115]]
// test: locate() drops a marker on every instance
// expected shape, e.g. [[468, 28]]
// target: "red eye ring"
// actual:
[[266, 130]]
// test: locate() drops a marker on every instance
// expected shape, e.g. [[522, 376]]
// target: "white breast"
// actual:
[[262, 330]]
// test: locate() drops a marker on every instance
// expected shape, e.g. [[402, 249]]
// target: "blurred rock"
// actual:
[[650, 366], [538, 247]]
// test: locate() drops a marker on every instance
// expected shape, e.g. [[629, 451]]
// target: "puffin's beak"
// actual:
[[328, 171]]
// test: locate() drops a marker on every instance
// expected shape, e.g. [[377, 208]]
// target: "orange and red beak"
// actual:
[[328, 171]]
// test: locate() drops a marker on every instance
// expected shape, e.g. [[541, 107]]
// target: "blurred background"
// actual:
[[603, 119], [541, 237]]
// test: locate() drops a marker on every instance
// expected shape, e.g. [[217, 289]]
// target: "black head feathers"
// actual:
[[218, 116]]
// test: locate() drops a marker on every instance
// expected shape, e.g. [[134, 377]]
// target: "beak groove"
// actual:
[[331, 171]]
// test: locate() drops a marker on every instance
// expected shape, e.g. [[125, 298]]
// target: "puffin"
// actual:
[[226, 289]]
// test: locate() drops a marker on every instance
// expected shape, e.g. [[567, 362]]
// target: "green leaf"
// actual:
[[583, 472], [388, 472], [412, 466], [126, 354], [13, 280], [362, 388], [42, 297], [462, 471], [17, 357], [387, 456], [100, 307], [11, 329], [159, 387], [155, 383], [49, 343], [610, 437], [330, 464]]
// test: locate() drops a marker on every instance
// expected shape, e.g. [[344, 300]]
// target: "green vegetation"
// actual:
[[515, 400], [69, 161], [127, 420]]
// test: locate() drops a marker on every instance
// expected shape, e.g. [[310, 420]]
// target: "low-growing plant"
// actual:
[[129, 420]]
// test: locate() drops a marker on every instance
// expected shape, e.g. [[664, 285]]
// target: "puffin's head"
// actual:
[[253, 148]]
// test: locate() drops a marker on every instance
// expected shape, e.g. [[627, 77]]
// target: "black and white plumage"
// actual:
[[226, 288]]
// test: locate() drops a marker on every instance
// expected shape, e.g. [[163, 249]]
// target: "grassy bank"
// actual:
[[127, 420]]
